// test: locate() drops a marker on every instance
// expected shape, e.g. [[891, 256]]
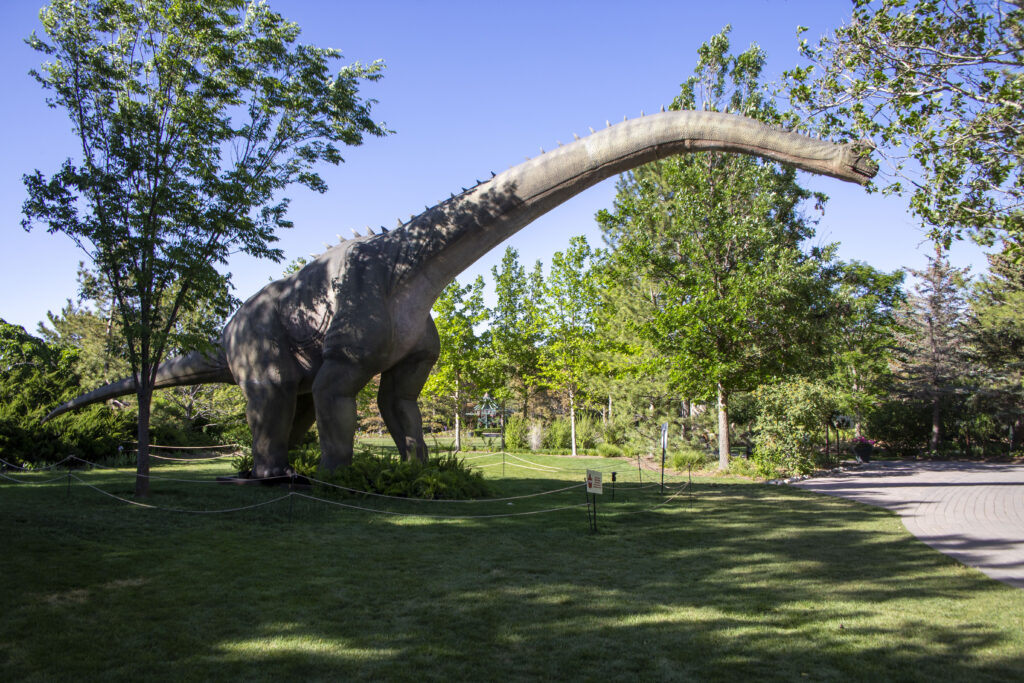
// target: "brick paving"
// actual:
[[973, 512]]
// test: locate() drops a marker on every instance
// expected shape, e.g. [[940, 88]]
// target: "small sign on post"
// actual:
[[594, 481]]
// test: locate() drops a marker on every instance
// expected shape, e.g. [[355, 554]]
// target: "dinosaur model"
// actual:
[[303, 346]]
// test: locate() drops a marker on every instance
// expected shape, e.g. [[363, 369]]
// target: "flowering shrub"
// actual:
[[858, 440]]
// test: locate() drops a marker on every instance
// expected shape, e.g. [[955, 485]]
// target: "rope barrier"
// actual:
[[186, 448], [35, 469], [215, 457], [446, 500], [168, 509], [419, 514], [21, 481]]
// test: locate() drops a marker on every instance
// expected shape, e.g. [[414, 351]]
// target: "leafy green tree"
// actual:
[[191, 117], [931, 359], [457, 313], [570, 306], [515, 327], [864, 328], [940, 87], [717, 237]]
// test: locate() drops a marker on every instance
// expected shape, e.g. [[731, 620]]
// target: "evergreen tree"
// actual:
[[996, 320], [932, 355]]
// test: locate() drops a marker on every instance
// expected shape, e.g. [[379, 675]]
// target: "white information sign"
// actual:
[[593, 481]]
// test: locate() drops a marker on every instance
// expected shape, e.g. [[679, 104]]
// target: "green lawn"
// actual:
[[740, 581]]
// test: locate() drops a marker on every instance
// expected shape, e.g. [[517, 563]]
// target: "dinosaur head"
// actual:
[[856, 161]]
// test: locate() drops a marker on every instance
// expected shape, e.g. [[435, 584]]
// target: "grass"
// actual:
[[740, 581]]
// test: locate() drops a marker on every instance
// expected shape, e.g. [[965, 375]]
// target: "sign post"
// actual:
[[594, 488]]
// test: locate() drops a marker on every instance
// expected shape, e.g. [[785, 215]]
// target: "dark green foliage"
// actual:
[[900, 426], [35, 376], [444, 477]]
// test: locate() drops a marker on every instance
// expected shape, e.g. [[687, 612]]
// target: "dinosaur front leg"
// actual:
[[334, 393], [270, 411]]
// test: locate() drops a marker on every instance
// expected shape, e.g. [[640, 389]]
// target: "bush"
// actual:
[[903, 426], [517, 433], [609, 450], [558, 435], [791, 417], [587, 431], [743, 467], [443, 477], [688, 459]]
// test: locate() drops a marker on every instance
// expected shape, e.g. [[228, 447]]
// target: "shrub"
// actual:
[[790, 417], [517, 432], [904, 426], [587, 431], [688, 459], [609, 450], [558, 434], [743, 467], [442, 477]]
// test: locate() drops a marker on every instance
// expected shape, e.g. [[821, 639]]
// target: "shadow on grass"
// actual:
[[740, 581]]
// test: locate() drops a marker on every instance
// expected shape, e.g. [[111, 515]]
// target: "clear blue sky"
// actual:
[[470, 87]]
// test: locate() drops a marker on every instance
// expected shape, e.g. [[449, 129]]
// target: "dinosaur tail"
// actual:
[[192, 368]]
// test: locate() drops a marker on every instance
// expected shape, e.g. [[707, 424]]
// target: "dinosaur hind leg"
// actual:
[[397, 399]]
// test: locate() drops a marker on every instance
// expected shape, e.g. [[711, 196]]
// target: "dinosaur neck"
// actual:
[[443, 241]]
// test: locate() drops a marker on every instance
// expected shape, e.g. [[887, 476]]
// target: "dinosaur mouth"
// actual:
[[858, 158]]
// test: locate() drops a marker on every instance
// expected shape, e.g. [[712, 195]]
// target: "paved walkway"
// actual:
[[973, 512]]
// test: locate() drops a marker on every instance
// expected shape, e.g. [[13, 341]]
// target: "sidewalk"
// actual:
[[973, 512]]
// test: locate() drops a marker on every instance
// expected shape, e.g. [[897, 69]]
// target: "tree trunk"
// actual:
[[685, 414], [936, 438], [458, 417], [572, 420], [145, 397], [723, 428]]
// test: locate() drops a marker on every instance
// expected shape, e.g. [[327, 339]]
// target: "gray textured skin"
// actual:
[[303, 346]]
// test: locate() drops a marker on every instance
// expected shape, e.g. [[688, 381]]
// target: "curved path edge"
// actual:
[[973, 512]]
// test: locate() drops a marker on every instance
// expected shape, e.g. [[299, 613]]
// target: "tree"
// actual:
[[996, 323], [864, 327], [940, 87], [515, 327], [931, 358], [570, 305], [457, 312], [191, 117], [717, 238]]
